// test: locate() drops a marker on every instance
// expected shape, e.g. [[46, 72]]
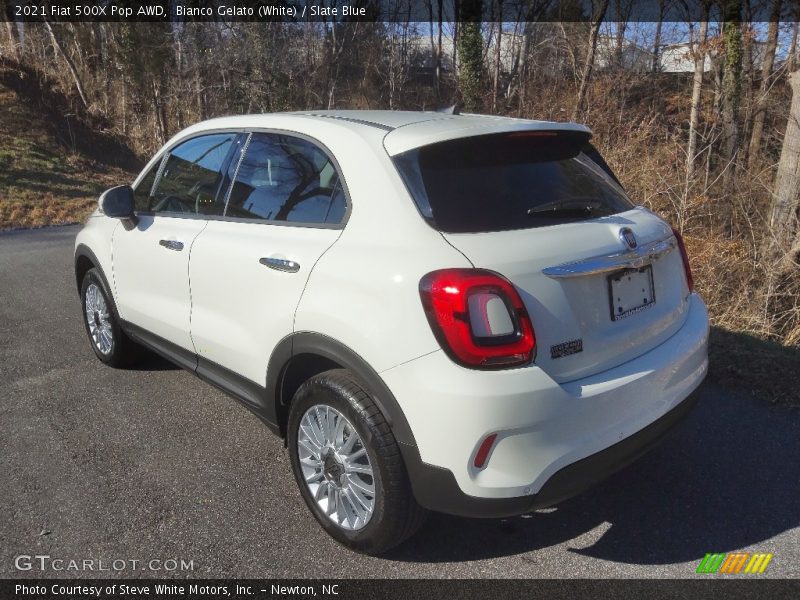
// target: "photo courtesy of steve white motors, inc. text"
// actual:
[[171, 589]]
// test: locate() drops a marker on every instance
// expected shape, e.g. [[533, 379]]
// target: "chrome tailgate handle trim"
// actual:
[[595, 265], [280, 264]]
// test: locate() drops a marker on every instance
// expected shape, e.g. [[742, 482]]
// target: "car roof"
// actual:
[[400, 131]]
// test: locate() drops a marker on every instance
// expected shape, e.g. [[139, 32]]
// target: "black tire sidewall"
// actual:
[[316, 392]]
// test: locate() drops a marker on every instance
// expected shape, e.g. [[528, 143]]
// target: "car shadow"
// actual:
[[727, 477], [151, 361]]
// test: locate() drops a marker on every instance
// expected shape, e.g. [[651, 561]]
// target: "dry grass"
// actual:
[[41, 182]]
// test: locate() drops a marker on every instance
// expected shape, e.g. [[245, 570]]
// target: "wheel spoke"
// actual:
[[356, 455], [320, 489], [315, 476], [358, 468], [357, 483], [351, 440], [356, 509], [338, 434], [309, 445]]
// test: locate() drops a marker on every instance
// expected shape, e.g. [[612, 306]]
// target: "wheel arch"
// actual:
[[304, 354], [85, 260]]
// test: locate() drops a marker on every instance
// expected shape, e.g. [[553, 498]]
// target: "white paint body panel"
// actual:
[[152, 282], [240, 308]]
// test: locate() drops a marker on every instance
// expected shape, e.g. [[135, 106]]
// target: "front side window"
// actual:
[[190, 179], [285, 178], [141, 195]]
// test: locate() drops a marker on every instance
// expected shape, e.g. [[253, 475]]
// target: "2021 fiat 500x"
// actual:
[[456, 313]]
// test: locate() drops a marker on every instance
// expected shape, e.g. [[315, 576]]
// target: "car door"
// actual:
[[151, 259], [286, 207]]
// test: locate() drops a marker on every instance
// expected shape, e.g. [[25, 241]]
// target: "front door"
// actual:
[[151, 259]]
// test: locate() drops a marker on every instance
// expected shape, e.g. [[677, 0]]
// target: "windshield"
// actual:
[[509, 181]]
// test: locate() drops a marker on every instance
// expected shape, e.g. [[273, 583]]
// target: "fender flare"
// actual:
[[82, 250], [305, 342]]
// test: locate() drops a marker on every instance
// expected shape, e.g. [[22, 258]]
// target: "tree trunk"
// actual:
[[470, 53], [766, 73], [599, 13], [71, 65], [731, 91], [12, 40], [786, 196], [697, 88], [496, 83], [792, 60], [656, 66]]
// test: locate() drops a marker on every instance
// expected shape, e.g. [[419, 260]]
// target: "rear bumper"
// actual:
[[436, 489], [553, 440]]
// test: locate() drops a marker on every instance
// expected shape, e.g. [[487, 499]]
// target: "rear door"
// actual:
[[603, 281], [286, 207], [151, 260]]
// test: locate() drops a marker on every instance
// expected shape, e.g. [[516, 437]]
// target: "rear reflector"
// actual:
[[483, 451], [478, 318]]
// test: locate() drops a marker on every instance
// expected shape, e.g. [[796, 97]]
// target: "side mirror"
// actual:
[[118, 203]]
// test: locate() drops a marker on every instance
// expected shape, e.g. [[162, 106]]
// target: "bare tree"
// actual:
[[785, 240], [766, 78], [699, 53], [731, 89], [70, 64], [599, 13]]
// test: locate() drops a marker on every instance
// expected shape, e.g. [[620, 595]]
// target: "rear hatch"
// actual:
[[602, 280]]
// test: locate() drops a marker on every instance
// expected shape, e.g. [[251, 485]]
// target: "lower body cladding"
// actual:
[[552, 440]]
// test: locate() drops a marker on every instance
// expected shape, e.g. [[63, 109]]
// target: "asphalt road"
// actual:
[[97, 463]]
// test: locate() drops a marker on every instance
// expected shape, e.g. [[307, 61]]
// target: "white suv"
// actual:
[[459, 313]]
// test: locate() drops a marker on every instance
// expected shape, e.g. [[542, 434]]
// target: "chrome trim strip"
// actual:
[[595, 265]]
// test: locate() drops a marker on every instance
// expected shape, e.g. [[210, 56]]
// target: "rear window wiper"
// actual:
[[568, 209]]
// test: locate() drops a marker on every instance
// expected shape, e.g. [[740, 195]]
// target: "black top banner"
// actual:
[[395, 10]]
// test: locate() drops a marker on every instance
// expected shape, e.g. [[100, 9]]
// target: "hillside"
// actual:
[[48, 177]]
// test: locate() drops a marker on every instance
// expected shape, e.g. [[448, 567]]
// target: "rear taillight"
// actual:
[[478, 318], [685, 258]]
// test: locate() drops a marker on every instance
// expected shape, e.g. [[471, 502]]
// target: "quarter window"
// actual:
[[285, 178], [190, 180]]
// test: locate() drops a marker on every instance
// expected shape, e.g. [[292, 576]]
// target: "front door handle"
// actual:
[[281, 264], [171, 244]]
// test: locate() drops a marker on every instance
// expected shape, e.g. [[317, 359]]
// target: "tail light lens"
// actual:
[[685, 258], [478, 318]]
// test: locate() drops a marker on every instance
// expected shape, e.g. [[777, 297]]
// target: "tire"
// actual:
[[102, 324], [395, 515]]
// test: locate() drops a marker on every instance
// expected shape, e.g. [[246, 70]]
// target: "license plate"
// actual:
[[631, 291]]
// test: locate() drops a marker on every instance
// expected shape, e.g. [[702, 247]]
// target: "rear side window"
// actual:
[[190, 179], [286, 178], [507, 181]]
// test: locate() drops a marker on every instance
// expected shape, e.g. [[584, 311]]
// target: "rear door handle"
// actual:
[[280, 264], [171, 244]]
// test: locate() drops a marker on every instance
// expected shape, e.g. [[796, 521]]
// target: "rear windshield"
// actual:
[[509, 181]]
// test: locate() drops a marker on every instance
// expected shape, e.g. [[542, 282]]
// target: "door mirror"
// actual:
[[118, 203]]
